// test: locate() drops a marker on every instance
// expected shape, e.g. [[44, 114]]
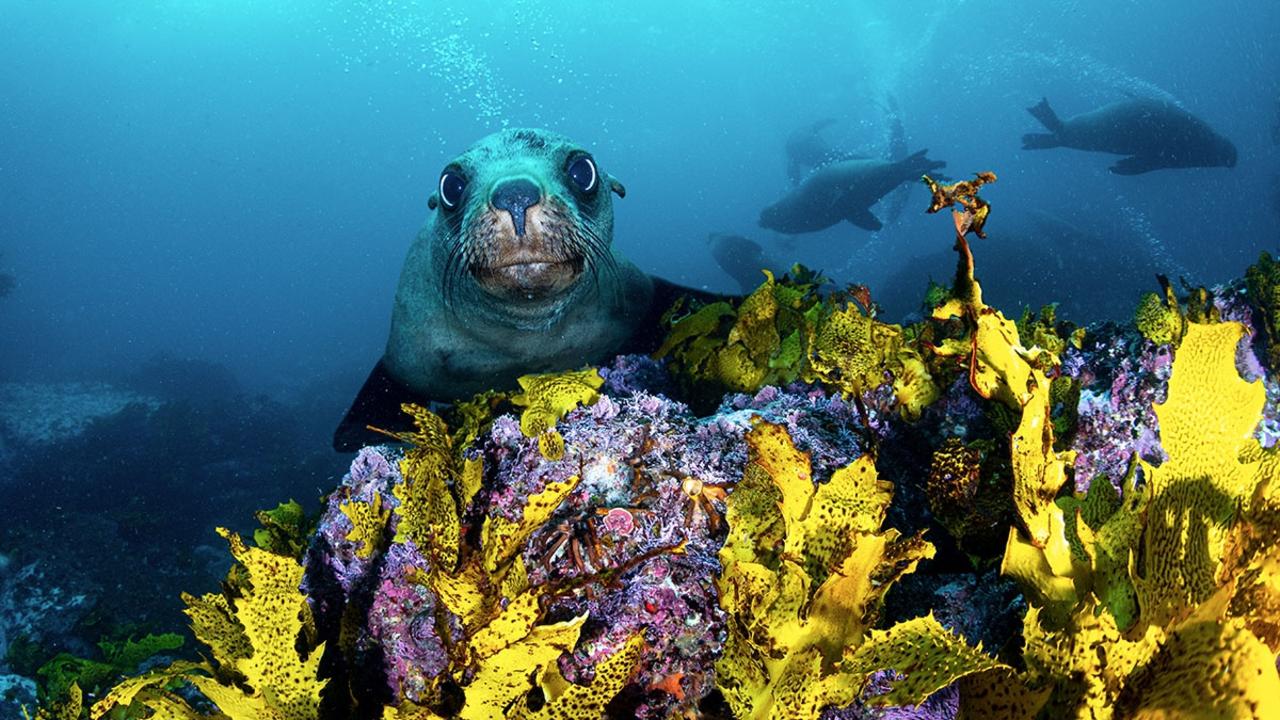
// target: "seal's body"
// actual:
[[1154, 133], [843, 190], [513, 273]]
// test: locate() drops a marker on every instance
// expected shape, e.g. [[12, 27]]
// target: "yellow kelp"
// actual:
[[1001, 368], [1195, 546], [1186, 563], [1208, 418], [259, 673], [786, 331], [548, 398], [806, 567], [718, 348]]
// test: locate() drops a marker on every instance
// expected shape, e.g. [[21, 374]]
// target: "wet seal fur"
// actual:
[[514, 273]]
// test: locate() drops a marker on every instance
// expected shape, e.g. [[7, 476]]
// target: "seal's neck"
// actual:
[[478, 309]]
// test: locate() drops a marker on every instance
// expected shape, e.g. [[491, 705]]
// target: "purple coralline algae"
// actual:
[[1230, 302], [372, 475], [629, 373], [401, 625], [1121, 375]]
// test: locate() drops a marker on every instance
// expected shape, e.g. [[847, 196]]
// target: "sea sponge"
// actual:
[[968, 491]]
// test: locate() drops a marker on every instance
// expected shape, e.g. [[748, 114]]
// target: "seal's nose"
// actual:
[[515, 196]]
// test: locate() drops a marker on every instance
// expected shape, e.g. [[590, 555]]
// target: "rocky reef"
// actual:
[[795, 511]]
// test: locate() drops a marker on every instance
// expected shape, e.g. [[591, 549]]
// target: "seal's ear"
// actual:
[[433, 201], [616, 186]]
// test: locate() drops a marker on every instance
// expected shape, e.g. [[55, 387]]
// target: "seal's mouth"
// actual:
[[544, 261], [538, 279]]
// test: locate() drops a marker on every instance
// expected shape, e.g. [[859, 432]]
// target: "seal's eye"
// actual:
[[582, 172], [451, 186]]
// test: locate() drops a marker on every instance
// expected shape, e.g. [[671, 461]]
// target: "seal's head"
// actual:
[[522, 217], [513, 273], [770, 217]]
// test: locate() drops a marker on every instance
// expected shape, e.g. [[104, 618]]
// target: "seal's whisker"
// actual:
[[593, 249], [600, 256], [457, 262]]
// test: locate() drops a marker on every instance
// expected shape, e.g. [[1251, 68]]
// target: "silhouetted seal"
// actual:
[[741, 259], [806, 149], [513, 273], [1155, 134], [843, 190]]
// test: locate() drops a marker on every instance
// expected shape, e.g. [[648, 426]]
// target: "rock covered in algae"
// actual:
[[1123, 375], [632, 547]]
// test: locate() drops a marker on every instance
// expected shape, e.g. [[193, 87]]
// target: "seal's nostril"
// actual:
[[515, 196]]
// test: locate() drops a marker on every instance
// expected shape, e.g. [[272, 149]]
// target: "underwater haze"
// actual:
[[239, 181], [205, 205]]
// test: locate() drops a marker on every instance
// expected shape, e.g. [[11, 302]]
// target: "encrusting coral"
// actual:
[[590, 547]]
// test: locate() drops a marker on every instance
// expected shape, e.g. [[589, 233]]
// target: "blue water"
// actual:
[[238, 181]]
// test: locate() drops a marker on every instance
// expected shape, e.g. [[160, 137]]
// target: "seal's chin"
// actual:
[[529, 278]]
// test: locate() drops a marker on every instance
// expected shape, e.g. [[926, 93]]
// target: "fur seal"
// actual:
[[806, 149], [843, 190], [1155, 134], [741, 259], [514, 272]]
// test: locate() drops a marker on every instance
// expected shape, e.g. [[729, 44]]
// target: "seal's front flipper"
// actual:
[[1136, 165], [863, 218], [377, 404]]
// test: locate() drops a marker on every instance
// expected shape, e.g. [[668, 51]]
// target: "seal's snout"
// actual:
[[516, 196]]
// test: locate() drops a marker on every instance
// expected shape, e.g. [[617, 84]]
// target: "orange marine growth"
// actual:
[[965, 194]]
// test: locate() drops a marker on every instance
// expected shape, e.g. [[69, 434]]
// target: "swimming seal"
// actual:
[[843, 190], [1155, 134], [514, 272]]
